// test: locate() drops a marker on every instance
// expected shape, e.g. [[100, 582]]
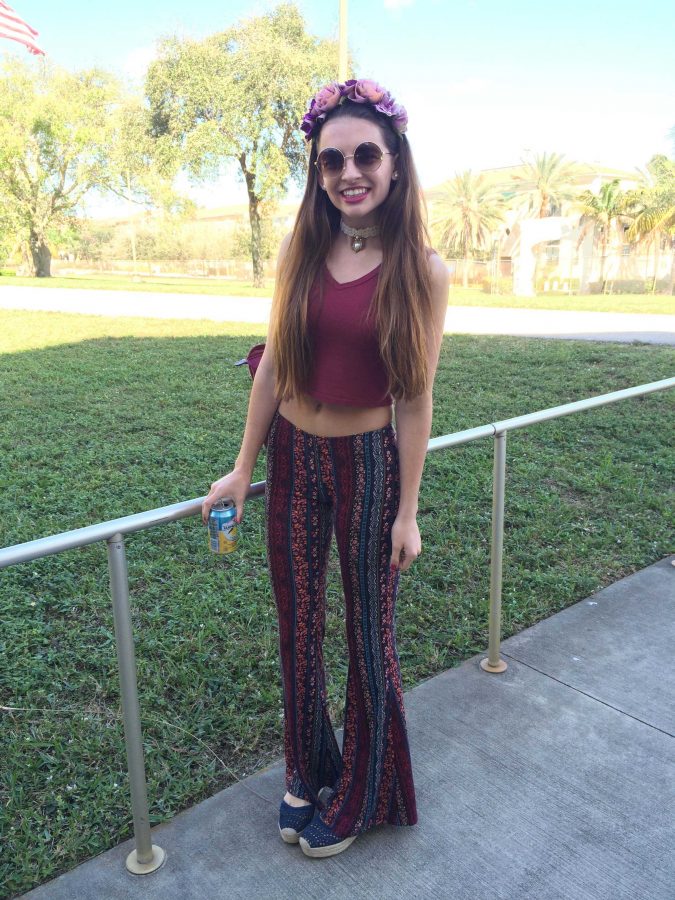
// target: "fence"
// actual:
[[226, 269], [622, 274], [147, 857]]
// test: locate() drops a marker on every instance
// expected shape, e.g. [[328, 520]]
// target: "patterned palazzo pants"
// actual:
[[351, 485]]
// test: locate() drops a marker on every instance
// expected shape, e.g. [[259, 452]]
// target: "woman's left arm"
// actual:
[[413, 427]]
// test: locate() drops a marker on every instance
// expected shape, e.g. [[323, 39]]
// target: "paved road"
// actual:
[[590, 326]]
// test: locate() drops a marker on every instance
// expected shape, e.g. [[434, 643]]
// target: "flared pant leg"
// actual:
[[299, 528], [352, 483], [376, 783]]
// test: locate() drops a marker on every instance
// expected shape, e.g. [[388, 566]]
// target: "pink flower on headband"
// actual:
[[327, 98], [363, 90]]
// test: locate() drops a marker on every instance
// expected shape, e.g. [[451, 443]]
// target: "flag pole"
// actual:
[[342, 42]]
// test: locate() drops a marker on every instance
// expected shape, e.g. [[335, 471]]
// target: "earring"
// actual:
[[395, 175]]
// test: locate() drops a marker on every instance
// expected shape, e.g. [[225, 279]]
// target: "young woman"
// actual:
[[356, 329]]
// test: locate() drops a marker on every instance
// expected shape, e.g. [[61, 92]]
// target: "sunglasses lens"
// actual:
[[368, 157], [331, 161]]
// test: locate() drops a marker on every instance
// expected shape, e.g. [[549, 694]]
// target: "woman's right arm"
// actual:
[[262, 405]]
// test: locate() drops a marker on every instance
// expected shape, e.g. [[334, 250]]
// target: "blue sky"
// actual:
[[483, 81]]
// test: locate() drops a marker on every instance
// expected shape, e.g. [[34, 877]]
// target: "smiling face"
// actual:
[[357, 195]]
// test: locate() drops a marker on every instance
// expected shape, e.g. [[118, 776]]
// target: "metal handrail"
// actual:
[[147, 857]]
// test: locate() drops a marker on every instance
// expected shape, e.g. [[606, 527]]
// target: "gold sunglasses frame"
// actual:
[[350, 156]]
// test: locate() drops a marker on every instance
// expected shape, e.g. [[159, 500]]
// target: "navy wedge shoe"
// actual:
[[293, 819], [319, 840]]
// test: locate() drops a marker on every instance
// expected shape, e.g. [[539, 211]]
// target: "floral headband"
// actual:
[[362, 91]]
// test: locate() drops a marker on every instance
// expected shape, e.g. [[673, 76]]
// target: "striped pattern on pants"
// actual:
[[350, 485]]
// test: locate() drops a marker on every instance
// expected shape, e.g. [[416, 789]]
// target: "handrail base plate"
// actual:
[[486, 667], [138, 868]]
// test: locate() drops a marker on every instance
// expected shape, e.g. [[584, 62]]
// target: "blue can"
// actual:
[[222, 527]]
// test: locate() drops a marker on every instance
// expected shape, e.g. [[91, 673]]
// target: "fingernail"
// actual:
[[393, 567]]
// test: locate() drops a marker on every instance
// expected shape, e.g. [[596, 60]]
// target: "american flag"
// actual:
[[15, 29]]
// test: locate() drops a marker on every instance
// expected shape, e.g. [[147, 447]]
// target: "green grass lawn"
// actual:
[[652, 304], [106, 417], [459, 296], [155, 284]]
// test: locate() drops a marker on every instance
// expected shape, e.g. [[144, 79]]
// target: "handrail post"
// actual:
[[494, 663], [146, 857]]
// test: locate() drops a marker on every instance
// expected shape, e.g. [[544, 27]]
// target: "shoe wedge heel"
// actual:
[[318, 840]]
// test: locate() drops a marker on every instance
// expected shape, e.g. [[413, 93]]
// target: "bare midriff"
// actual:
[[332, 419]]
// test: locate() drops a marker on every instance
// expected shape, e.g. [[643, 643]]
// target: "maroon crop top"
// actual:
[[348, 368]]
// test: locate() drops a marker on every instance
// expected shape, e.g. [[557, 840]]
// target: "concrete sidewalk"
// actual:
[[552, 781], [550, 323]]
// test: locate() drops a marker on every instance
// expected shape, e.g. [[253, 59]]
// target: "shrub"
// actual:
[[629, 286], [502, 285]]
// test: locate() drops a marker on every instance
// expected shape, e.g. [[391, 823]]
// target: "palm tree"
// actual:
[[543, 184], [601, 211], [653, 207], [467, 214]]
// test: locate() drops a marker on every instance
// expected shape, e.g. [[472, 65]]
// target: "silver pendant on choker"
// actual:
[[359, 235]]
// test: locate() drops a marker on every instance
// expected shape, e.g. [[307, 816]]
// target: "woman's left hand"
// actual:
[[406, 544]]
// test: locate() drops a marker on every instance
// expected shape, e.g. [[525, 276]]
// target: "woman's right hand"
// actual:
[[234, 485]]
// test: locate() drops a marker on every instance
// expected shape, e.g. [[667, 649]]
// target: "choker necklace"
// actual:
[[359, 235]]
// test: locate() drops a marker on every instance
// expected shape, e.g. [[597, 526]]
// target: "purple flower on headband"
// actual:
[[322, 102], [363, 90], [396, 111]]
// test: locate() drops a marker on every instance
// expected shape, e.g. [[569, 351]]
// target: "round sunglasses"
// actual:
[[367, 158]]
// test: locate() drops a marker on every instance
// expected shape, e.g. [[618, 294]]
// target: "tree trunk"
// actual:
[[41, 256], [256, 241], [672, 271], [603, 250], [132, 227], [254, 218], [657, 256], [465, 274]]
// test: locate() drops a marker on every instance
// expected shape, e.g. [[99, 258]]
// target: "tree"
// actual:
[[653, 208], [270, 237], [467, 214], [544, 184], [140, 168], [240, 95], [8, 231], [54, 129], [542, 187], [90, 240], [601, 212]]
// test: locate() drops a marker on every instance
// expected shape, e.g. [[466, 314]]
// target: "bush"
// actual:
[[503, 285], [630, 286]]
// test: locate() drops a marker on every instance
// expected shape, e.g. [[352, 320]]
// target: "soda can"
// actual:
[[222, 527]]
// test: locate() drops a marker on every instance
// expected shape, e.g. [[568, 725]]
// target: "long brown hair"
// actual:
[[401, 305]]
